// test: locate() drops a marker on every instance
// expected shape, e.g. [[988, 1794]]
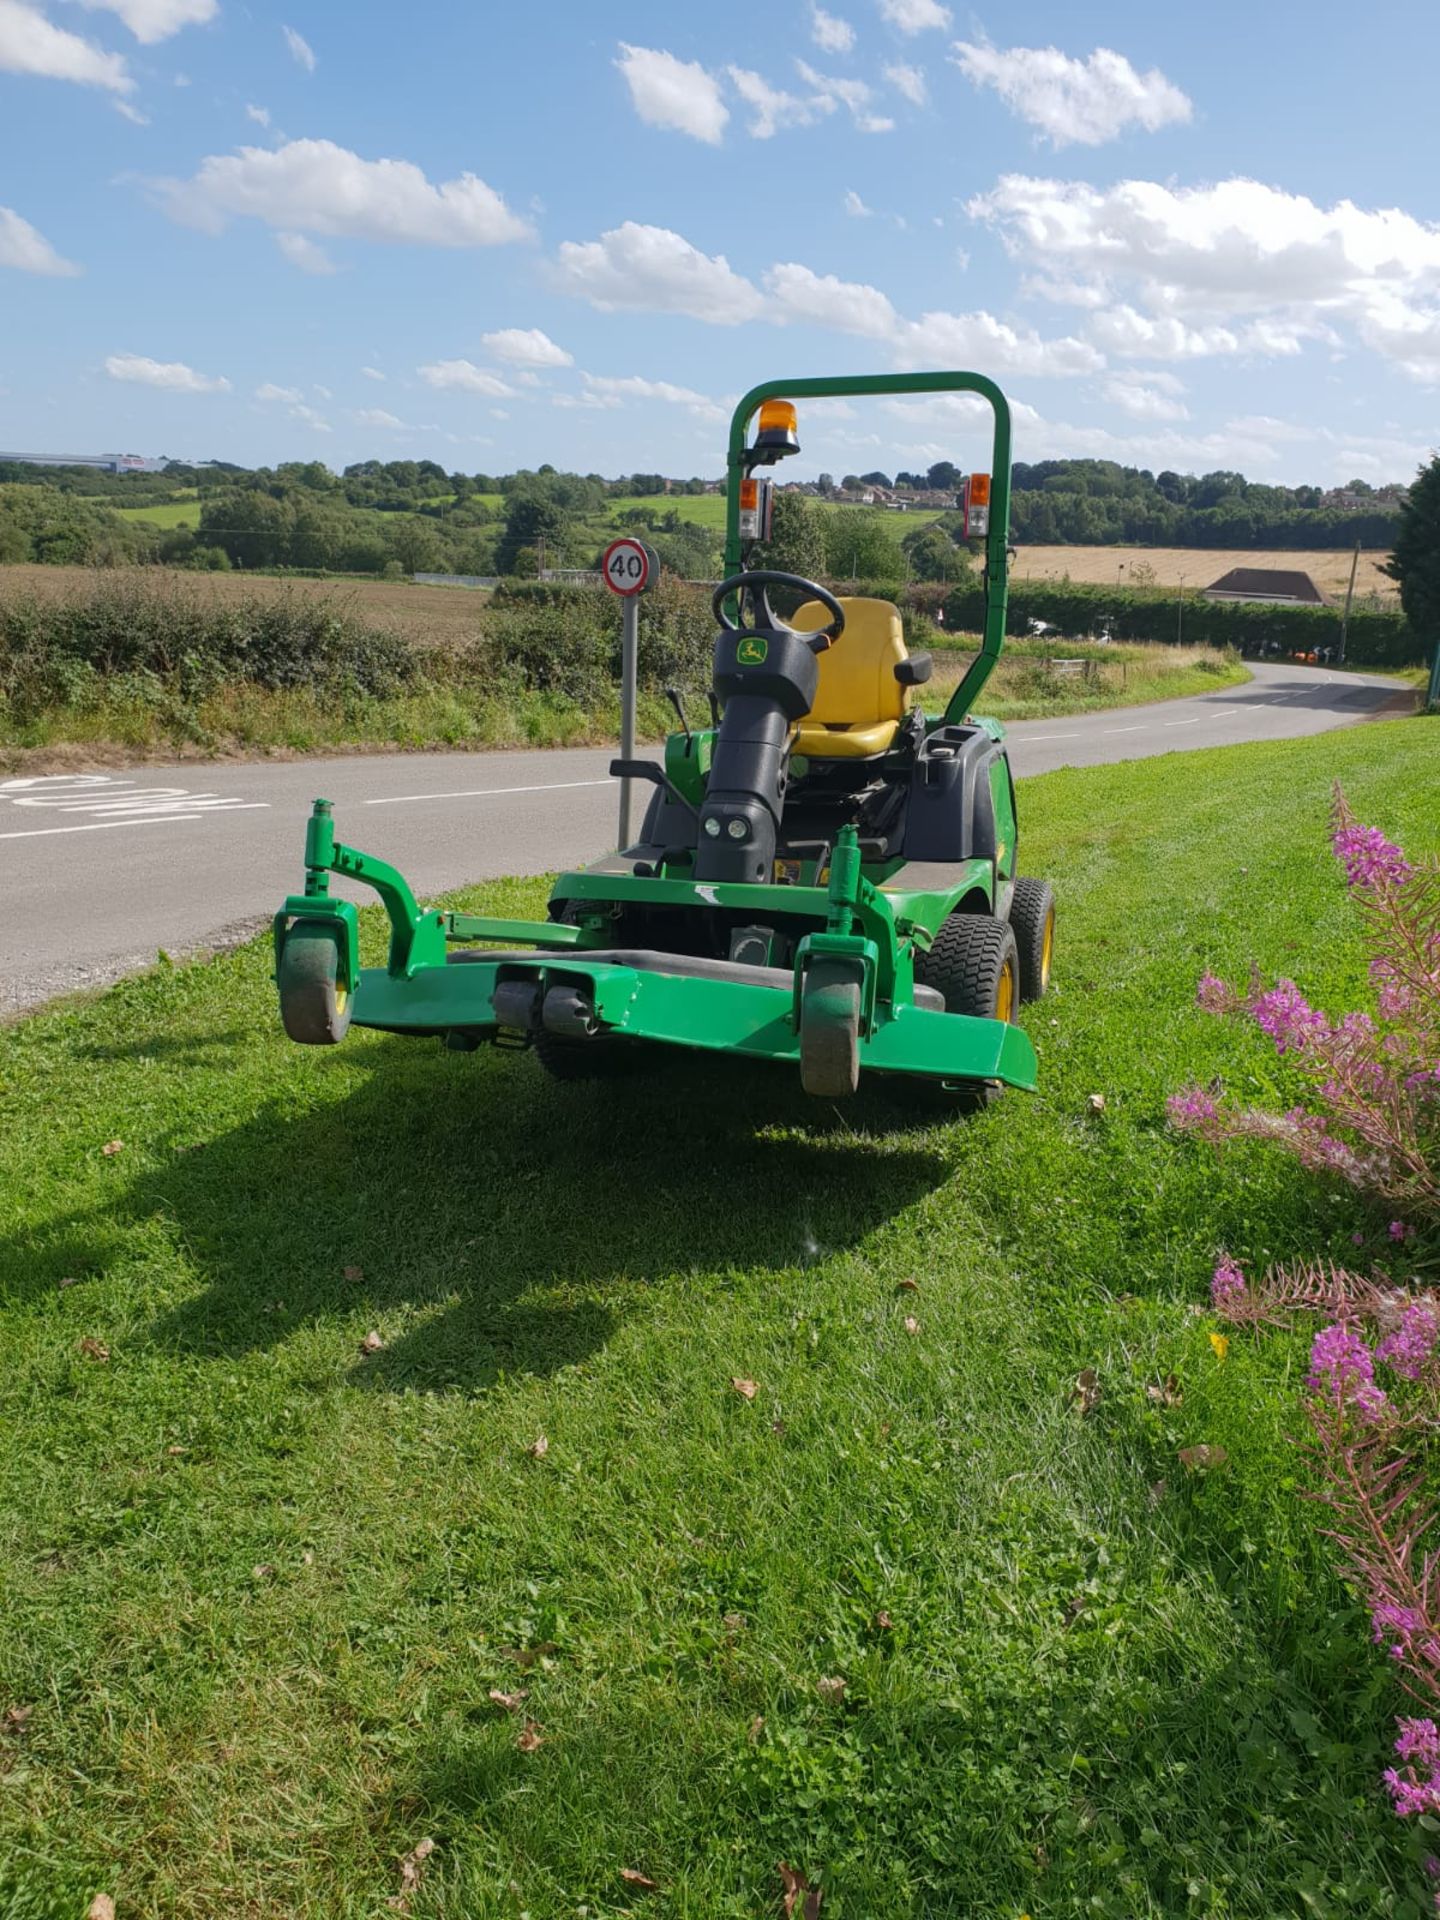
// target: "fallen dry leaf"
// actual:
[[110, 1149], [411, 1869], [907, 1286], [745, 1388], [538, 1447], [13, 1719], [798, 1887], [529, 1738], [1096, 1102], [1169, 1393], [831, 1689], [883, 1621], [94, 1349], [372, 1343], [511, 1702], [262, 1572], [68, 1280], [1221, 1343], [912, 1325], [1087, 1392], [1071, 1611], [1157, 1492], [1199, 1459], [733, 1622], [757, 1727], [633, 1877], [173, 1451], [354, 1273], [102, 1907]]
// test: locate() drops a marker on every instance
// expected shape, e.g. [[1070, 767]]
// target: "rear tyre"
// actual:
[[975, 964], [1032, 921], [314, 1004], [830, 1030]]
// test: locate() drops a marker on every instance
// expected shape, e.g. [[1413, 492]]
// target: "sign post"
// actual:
[[630, 568]]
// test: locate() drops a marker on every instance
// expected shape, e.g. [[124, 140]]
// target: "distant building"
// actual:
[[1268, 587], [100, 462]]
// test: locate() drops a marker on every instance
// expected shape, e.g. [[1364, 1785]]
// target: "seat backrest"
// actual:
[[857, 674]]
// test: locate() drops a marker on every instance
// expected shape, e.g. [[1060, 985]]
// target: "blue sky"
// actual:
[[494, 235]]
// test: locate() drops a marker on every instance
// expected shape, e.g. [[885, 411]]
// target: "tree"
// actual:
[[876, 479], [1415, 563], [861, 546], [797, 537], [944, 476]]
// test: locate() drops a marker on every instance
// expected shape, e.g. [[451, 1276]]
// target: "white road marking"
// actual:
[[100, 826], [121, 801], [1185, 723], [484, 793], [1124, 729], [1034, 739]]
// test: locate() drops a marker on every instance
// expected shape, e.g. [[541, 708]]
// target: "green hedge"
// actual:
[[567, 639], [1375, 639]]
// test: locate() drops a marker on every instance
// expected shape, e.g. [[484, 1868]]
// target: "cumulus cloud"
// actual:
[[609, 390], [377, 417], [526, 347], [907, 80], [829, 32], [301, 52], [314, 186], [29, 44], [1074, 102], [372, 373], [28, 251], [775, 109], [173, 375], [855, 95], [643, 269], [466, 377], [260, 115], [153, 20], [915, 16], [678, 95], [1234, 267], [269, 391], [855, 206], [304, 254], [1147, 396]]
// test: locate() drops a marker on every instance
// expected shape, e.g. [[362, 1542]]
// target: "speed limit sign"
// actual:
[[630, 567]]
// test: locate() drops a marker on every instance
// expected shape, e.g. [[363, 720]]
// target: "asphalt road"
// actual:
[[99, 871]]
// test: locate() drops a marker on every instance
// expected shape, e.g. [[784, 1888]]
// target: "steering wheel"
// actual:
[[755, 585]]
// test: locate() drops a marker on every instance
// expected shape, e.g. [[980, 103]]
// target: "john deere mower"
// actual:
[[825, 877]]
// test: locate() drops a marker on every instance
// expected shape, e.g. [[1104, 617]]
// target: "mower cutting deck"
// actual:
[[826, 877]]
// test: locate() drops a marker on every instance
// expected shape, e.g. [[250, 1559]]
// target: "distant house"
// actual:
[[1267, 586]]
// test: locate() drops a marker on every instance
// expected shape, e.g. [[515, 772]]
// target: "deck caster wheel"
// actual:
[[314, 1003], [830, 1030], [1032, 921]]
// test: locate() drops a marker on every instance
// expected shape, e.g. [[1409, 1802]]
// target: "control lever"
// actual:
[[672, 694], [653, 772]]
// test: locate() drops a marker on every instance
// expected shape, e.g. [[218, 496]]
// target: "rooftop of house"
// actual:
[[1266, 583]]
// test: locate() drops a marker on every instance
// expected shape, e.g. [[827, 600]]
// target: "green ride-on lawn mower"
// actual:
[[826, 876]]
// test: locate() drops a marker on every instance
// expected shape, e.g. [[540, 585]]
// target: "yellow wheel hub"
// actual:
[[342, 995], [1005, 993], [1047, 945]]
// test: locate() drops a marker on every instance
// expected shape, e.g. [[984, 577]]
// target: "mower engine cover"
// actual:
[[767, 681]]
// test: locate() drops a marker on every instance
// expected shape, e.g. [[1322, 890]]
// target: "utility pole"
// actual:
[[1349, 596], [1180, 612]]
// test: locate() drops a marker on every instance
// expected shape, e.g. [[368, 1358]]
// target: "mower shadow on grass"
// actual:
[[492, 1223]]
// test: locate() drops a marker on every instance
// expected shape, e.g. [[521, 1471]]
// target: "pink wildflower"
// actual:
[[1398, 1230], [1287, 1016], [1227, 1284], [1407, 1349], [1369, 859], [1191, 1106], [1213, 995], [1342, 1369], [1419, 1746]]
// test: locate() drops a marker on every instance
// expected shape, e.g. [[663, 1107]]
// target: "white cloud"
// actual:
[[829, 32], [372, 373], [855, 206], [172, 375], [823, 300], [635, 387], [260, 115], [301, 52], [304, 254], [675, 94], [465, 376], [526, 347], [152, 20], [1142, 336], [642, 269], [915, 16], [30, 44], [1152, 396], [132, 114], [775, 109], [269, 391], [855, 95], [314, 186], [311, 419], [28, 251], [324, 393], [377, 417], [1084, 102], [907, 80]]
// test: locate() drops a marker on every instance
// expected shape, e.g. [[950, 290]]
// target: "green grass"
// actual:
[[165, 513], [256, 1585]]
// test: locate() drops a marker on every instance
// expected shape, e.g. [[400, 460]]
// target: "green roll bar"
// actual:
[[997, 583]]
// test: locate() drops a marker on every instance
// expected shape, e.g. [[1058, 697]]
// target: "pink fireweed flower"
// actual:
[[1227, 1283], [1418, 1742], [1409, 1795], [1398, 1230], [1369, 859], [1406, 1350], [1419, 1747], [1212, 994], [1191, 1106], [1287, 1016], [1387, 1620], [1342, 1369]]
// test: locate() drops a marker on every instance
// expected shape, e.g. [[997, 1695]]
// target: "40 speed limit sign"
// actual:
[[630, 567]]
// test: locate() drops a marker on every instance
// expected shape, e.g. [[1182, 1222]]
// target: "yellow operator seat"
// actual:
[[859, 703]]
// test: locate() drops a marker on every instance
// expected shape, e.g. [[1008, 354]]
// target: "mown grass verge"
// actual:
[[257, 1585]]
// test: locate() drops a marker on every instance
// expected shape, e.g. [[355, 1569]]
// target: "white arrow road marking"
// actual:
[[484, 793]]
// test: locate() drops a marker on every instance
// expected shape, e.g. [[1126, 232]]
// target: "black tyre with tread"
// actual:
[[1032, 921], [314, 1006], [602, 1058], [975, 965]]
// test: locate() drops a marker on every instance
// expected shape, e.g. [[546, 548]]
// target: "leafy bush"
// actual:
[[549, 636]]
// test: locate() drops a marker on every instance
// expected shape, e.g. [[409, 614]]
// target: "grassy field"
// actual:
[[906, 1619], [1198, 567], [164, 513]]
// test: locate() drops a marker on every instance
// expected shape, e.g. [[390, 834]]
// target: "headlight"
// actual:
[[738, 830], [712, 827]]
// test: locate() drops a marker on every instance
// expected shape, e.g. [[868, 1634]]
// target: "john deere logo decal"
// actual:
[[751, 651]]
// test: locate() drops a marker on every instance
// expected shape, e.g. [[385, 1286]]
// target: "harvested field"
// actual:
[[1198, 567], [430, 615]]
